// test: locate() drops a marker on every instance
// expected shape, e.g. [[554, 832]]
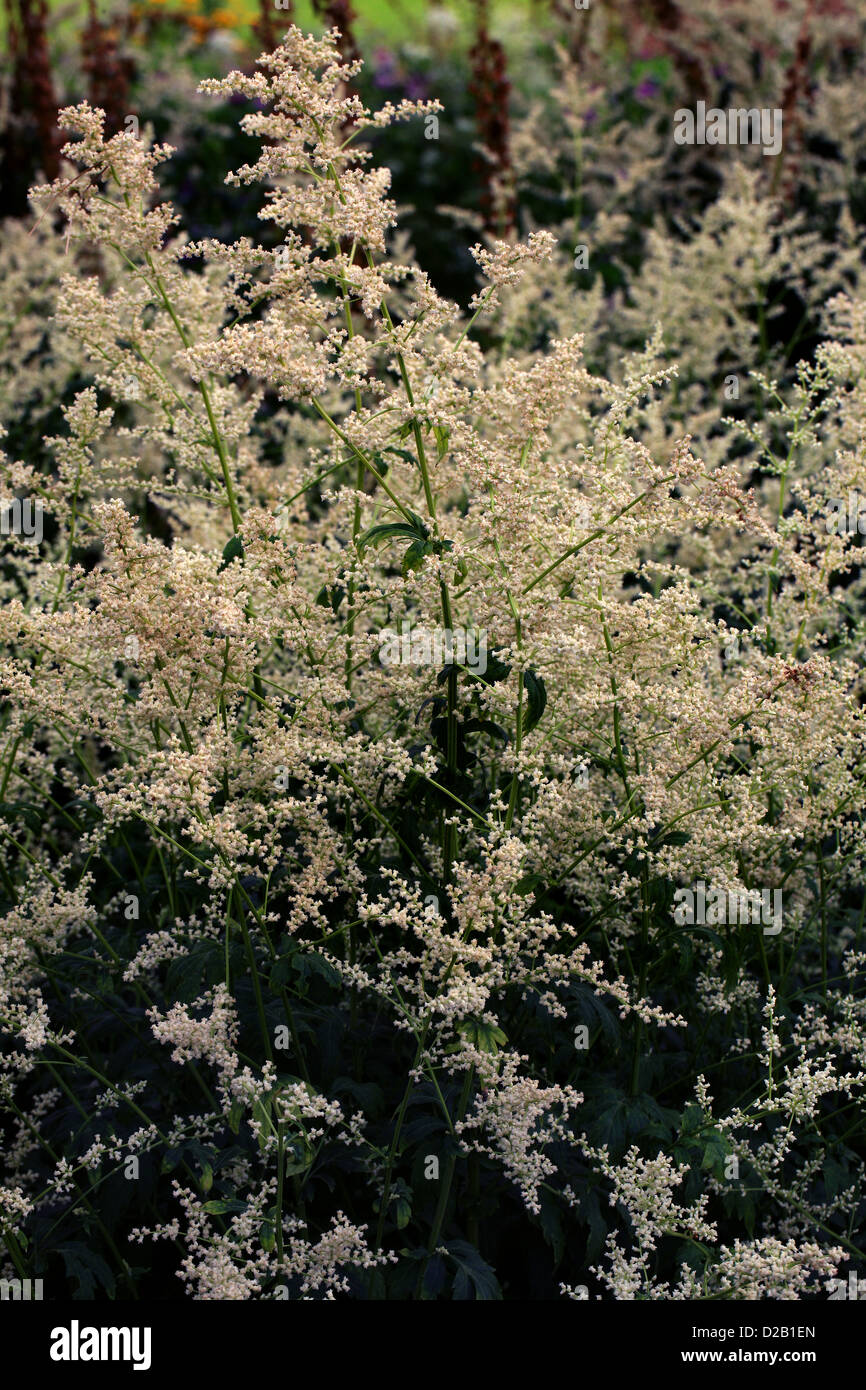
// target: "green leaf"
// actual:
[[484, 1036], [233, 550], [298, 1158], [485, 726], [308, 963], [836, 1178], [267, 1236], [280, 971], [474, 1280], [414, 557], [219, 1206], [388, 530], [550, 1220], [536, 699], [715, 1152], [692, 1119], [262, 1117], [591, 1208], [87, 1269], [32, 816], [676, 837], [740, 1204], [496, 671], [730, 962], [443, 436], [528, 884], [330, 596], [749, 1216], [368, 1094], [401, 453]]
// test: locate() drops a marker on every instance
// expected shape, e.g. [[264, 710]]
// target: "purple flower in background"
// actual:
[[416, 88], [646, 89], [386, 73], [240, 99]]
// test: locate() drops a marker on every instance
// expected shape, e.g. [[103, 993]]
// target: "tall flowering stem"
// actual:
[[491, 89], [32, 96]]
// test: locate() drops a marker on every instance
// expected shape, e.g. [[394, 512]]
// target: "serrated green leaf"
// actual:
[[474, 1278], [485, 1036], [414, 557], [87, 1268], [389, 530]]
